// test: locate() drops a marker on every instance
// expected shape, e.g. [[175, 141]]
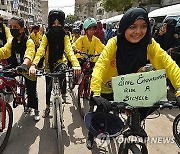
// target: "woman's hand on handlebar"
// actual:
[[32, 70], [77, 70], [100, 101]]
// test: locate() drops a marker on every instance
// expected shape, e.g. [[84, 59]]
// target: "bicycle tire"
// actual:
[[59, 126], [71, 83], [83, 101], [133, 148], [9, 128], [176, 130], [54, 113]]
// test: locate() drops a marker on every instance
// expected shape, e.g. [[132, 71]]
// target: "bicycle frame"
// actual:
[[82, 85], [12, 84], [56, 96], [86, 73]]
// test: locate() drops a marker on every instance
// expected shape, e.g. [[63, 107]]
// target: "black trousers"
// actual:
[[62, 81], [32, 100]]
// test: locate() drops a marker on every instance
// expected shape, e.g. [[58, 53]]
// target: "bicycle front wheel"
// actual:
[[5, 133], [83, 97], [133, 148], [59, 125], [176, 129], [71, 83]]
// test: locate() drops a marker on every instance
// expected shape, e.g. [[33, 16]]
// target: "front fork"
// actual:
[[3, 114], [83, 86]]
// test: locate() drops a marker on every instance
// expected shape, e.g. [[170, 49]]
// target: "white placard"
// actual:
[[140, 89]]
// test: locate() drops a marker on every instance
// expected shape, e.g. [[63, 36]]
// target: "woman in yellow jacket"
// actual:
[[76, 34], [88, 43], [36, 36], [127, 53], [4, 33], [53, 45], [20, 52]]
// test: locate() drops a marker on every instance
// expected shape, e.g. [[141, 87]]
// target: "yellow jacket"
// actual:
[[8, 33], [5, 52], [36, 38], [44, 50], [74, 39], [83, 44], [105, 67]]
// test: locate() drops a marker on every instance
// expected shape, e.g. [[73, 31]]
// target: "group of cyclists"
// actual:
[[131, 49]]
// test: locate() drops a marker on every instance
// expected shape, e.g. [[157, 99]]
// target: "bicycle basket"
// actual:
[[99, 122]]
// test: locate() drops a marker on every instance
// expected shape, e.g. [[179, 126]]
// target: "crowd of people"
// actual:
[[134, 44]]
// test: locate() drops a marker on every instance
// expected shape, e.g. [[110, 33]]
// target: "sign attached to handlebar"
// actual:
[[140, 89]]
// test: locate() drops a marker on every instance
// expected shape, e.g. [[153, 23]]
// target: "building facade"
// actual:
[[30, 10], [44, 6], [84, 8]]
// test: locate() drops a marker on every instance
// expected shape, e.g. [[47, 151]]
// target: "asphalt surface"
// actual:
[[30, 137]]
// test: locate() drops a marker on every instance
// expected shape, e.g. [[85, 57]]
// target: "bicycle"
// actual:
[[8, 93], [71, 80], [176, 130], [111, 125], [84, 83], [57, 105]]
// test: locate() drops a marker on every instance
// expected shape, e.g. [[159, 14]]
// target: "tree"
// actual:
[[121, 5], [71, 19], [116, 5]]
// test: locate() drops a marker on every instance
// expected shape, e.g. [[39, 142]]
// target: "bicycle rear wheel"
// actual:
[[133, 148], [59, 120], [176, 129], [83, 97], [5, 134]]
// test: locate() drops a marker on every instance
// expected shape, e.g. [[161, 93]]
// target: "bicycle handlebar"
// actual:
[[87, 54], [54, 74], [160, 104], [9, 72]]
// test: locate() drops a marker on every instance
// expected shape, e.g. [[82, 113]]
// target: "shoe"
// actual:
[[46, 112], [36, 115], [28, 110], [90, 142]]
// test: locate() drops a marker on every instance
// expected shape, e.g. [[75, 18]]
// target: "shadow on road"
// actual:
[[77, 122], [47, 143], [24, 133]]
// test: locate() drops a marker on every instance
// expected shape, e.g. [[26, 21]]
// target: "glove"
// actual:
[[102, 102], [22, 68], [178, 101]]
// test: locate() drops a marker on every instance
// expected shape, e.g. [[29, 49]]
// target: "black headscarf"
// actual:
[[17, 48], [55, 40], [130, 57]]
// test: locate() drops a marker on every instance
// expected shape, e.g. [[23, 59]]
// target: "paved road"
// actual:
[[30, 137]]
